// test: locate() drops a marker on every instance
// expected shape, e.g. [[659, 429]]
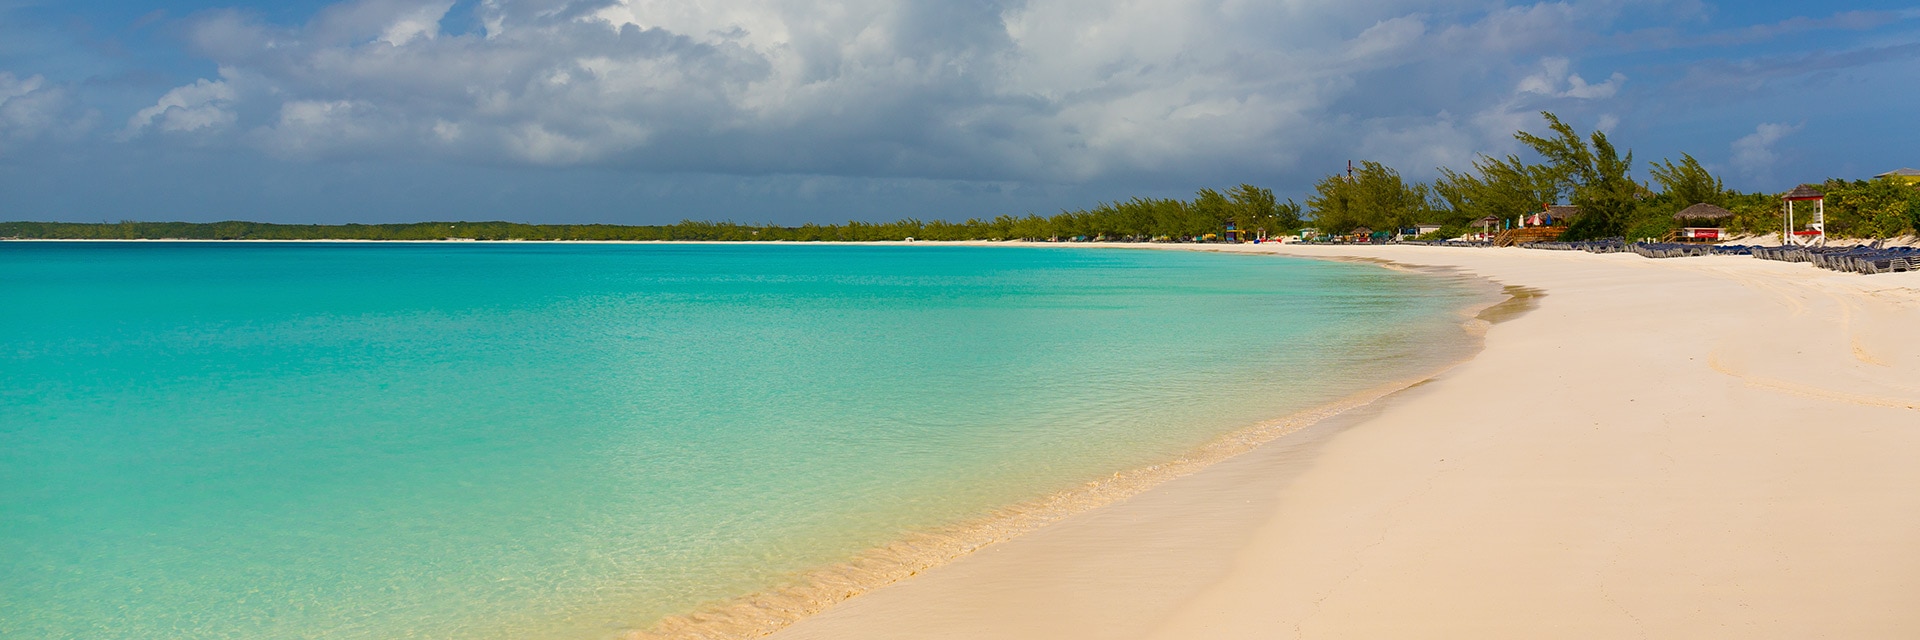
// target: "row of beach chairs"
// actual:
[[1446, 243], [1676, 250], [1608, 245], [1861, 259]]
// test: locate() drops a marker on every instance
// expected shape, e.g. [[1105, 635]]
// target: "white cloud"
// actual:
[[1052, 90], [1555, 79], [1754, 154], [421, 22], [32, 108], [202, 105], [24, 108], [12, 87], [1418, 145]]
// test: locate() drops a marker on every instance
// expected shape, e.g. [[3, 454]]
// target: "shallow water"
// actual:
[[528, 440]]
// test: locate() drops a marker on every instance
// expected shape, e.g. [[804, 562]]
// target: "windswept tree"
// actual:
[[1256, 209], [1499, 187], [1594, 172], [1211, 211], [1688, 183], [1376, 197]]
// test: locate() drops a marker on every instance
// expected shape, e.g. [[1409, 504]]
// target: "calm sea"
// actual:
[[264, 441]]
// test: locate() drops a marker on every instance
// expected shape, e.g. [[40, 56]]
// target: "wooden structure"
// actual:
[[1519, 235], [1817, 234]]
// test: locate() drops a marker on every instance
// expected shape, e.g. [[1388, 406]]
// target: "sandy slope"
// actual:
[[1705, 447]]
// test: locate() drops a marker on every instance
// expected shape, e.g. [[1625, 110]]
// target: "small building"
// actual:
[[1903, 174], [1360, 234], [1702, 223]]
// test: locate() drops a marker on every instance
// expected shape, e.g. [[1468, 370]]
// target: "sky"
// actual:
[[784, 111]]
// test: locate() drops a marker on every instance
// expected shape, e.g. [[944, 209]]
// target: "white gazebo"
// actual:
[[1485, 224], [1817, 235]]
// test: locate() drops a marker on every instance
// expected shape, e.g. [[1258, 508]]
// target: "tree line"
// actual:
[[1587, 171], [1592, 173], [1204, 217]]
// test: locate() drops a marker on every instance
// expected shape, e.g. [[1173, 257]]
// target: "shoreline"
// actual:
[[1688, 447], [1637, 456], [769, 611]]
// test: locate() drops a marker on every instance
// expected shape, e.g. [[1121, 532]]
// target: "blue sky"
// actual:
[[646, 111]]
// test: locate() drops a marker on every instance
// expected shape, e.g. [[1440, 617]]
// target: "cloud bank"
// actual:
[[1054, 90], [1005, 95]]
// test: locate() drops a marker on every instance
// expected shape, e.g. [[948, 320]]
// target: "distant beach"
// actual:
[[1701, 447]]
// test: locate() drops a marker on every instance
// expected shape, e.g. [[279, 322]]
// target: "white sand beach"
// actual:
[[1684, 448]]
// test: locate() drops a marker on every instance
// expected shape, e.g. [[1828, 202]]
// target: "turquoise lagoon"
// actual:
[[521, 440]]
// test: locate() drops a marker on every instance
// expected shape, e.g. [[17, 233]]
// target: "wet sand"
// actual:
[[1701, 447]]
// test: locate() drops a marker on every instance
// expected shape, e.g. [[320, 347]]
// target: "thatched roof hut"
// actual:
[[1703, 211], [1804, 192]]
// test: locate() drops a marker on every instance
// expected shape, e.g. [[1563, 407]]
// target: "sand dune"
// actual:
[[1703, 447]]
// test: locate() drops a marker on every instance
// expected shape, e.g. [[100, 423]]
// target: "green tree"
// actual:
[[1255, 209], [1376, 197], [1688, 183], [1871, 209], [1498, 187], [1593, 170]]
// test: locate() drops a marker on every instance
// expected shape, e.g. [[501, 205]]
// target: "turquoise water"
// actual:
[[527, 441]]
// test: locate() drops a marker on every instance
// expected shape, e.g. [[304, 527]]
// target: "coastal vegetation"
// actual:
[[1139, 219], [1589, 172]]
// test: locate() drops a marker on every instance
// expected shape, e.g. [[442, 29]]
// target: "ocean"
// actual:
[[527, 440]]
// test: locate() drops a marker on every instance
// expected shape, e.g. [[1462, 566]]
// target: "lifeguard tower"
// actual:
[[1816, 233]]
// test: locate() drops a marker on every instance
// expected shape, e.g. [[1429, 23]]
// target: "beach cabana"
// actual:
[[1702, 222], [1486, 224], [1817, 232]]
